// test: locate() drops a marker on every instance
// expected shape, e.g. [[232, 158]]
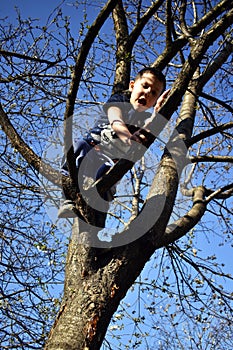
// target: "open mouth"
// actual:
[[142, 101]]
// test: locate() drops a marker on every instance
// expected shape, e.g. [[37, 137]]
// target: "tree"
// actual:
[[43, 70]]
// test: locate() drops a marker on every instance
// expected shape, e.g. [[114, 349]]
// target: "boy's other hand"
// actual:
[[161, 100], [139, 136]]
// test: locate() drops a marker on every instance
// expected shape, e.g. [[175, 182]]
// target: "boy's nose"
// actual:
[[148, 91]]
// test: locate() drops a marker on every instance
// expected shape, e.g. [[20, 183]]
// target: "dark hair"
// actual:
[[156, 72]]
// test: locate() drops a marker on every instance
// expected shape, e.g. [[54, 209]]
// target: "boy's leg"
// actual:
[[109, 195], [67, 206]]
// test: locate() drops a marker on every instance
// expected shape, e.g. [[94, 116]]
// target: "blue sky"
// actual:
[[40, 9], [31, 8], [27, 7]]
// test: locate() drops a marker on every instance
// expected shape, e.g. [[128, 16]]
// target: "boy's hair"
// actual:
[[154, 71]]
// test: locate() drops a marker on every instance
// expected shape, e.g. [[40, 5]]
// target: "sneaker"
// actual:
[[66, 209]]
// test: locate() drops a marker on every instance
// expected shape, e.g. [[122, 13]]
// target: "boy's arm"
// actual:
[[161, 100], [118, 125]]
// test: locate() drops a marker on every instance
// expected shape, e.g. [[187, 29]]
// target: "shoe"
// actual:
[[66, 209]]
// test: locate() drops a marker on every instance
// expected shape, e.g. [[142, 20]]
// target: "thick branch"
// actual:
[[136, 32], [123, 52], [183, 24], [183, 225], [169, 23], [185, 121]]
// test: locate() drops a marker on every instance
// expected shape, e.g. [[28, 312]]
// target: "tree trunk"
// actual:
[[97, 279]]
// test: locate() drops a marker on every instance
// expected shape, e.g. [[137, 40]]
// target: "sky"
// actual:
[[28, 7], [39, 9]]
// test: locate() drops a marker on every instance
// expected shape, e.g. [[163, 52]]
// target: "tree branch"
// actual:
[[26, 57], [169, 23], [209, 133], [215, 99], [125, 42], [123, 53], [137, 30], [221, 193], [183, 225], [204, 158], [183, 24]]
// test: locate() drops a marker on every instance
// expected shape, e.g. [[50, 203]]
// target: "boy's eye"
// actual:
[[146, 86]]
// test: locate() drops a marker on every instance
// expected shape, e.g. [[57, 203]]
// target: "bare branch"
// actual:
[[143, 21], [123, 53], [221, 193], [183, 225], [26, 57], [183, 24], [209, 133], [215, 99], [200, 268], [204, 158]]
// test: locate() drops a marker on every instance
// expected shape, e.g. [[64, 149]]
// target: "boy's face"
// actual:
[[145, 91]]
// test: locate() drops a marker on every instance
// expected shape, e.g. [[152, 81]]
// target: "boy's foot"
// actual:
[[66, 210]]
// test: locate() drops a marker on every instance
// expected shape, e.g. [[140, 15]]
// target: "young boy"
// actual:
[[118, 128]]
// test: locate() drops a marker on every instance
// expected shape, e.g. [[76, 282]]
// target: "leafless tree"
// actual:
[[47, 74]]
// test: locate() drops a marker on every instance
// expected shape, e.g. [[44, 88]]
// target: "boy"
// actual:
[[118, 128]]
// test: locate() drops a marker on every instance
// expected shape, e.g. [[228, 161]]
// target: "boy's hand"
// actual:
[[139, 136], [161, 100]]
